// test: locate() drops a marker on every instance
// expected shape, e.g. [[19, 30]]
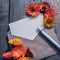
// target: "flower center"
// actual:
[[32, 9], [48, 21], [43, 9]]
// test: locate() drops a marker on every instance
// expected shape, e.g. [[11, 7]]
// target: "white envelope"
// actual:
[[27, 27]]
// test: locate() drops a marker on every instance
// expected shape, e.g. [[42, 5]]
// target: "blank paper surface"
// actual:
[[26, 28]]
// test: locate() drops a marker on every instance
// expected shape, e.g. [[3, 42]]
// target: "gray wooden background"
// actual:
[[17, 11]]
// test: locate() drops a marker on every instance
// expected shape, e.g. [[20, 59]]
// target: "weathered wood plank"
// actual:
[[17, 10], [4, 8], [4, 19], [55, 57], [58, 27], [4, 5], [3, 43]]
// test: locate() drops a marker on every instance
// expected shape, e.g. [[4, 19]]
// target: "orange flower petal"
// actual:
[[50, 12], [20, 47], [7, 55], [16, 54], [18, 51]]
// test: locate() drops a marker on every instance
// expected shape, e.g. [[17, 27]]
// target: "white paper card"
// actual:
[[26, 28]]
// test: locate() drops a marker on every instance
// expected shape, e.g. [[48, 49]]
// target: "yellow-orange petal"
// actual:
[[25, 58], [15, 41], [49, 22]]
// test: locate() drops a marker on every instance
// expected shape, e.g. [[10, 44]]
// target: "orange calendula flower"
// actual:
[[32, 10], [19, 51], [16, 52], [49, 22], [43, 6], [25, 58], [50, 12], [20, 47], [15, 41]]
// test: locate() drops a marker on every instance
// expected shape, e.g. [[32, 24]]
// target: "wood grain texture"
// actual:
[[57, 28], [19, 6], [17, 11], [3, 42], [4, 9], [4, 5]]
